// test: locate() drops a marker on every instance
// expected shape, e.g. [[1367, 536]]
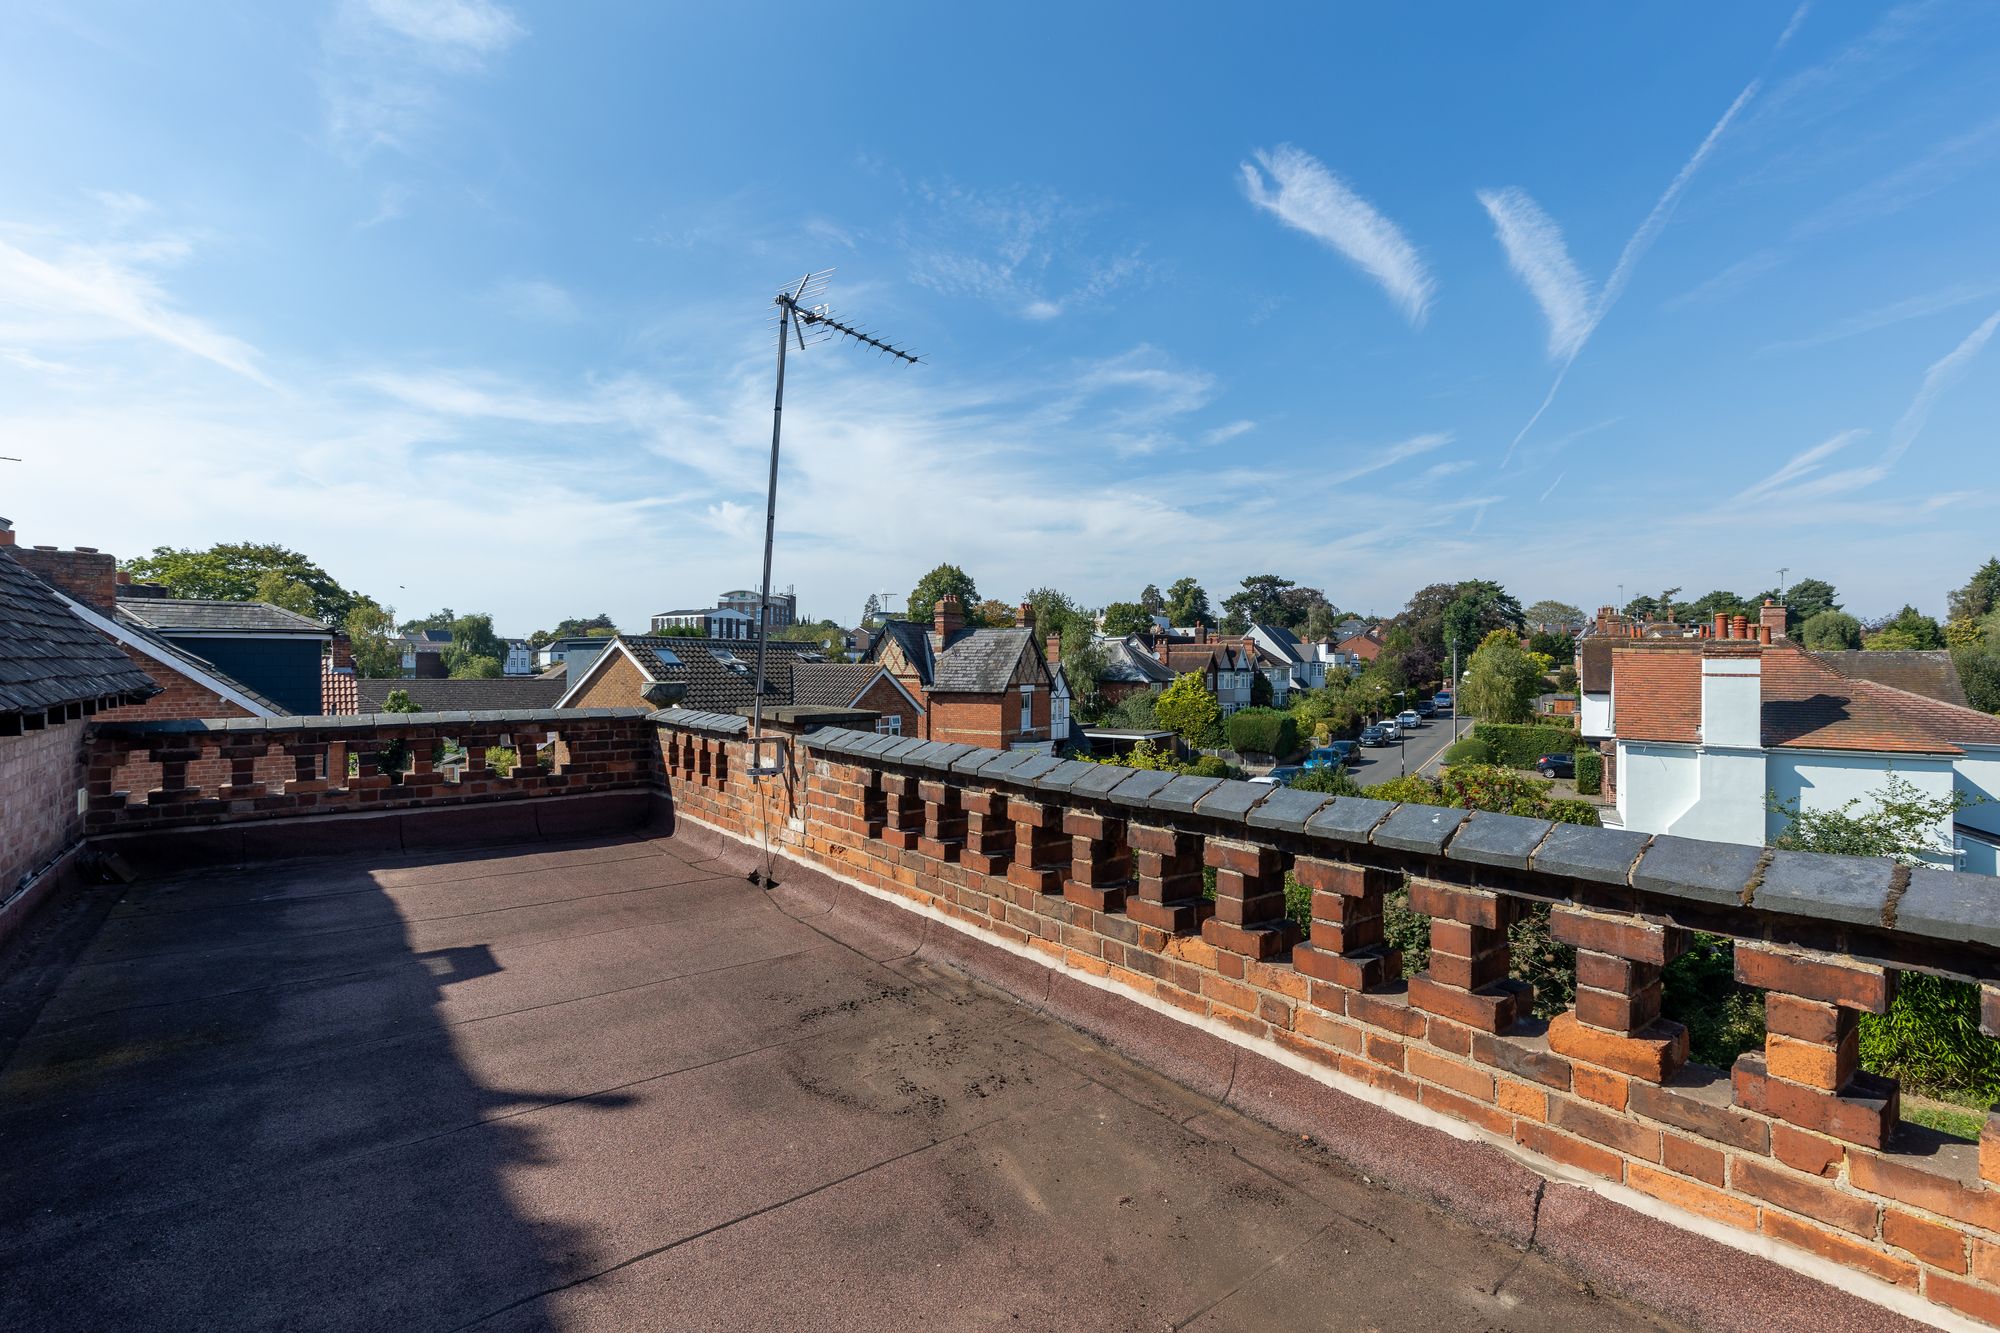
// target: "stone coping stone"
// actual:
[[1033, 767], [1004, 766], [977, 761], [1064, 775], [833, 740], [1139, 789], [1102, 781], [1419, 828], [1350, 818], [1182, 795], [876, 744], [901, 750], [1710, 872], [943, 754], [1949, 905], [360, 721], [1235, 799], [1834, 888], [1581, 851], [1498, 840], [1287, 809]]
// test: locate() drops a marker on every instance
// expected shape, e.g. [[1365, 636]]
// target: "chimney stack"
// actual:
[[6, 532], [86, 574], [342, 653], [948, 618], [1055, 649], [1024, 616], [1773, 618], [1732, 697]]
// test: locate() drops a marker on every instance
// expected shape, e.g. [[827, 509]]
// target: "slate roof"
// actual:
[[1183, 659], [49, 657], [168, 653], [1593, 662], [1126, 660], [831, 684], [1931, 674], [980, 661], [432, 695], [175, 615], [915, 640], [1283, 641]]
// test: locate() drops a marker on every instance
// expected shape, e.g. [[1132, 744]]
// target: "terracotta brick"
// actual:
[[1494, 1009], [1843, 1250], [1808, 1020], [1704, 1163], [1816, 1198], [1906, 1182], [1813, 976], [1979, 1302], [1569, 1151], [1476, 907], [1935, 1243], [1448, 1036], [1317, 1026], [1601, 1086], [1985, 1261], [1224, 991], [1989, 1149], [1684, 1110], [1653, 1054], [1695, 1198], [1807, 1152], [1516, 1056], [1468, 1080], [1630, 1137], [1619, 935], [1824, 1067], [1335, 877], [1864, 1112], [1521, 1099], [1383, 1051], [1467, 1109], [1384, 1012]]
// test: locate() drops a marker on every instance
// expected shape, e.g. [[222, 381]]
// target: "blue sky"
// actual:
[[469, 301]]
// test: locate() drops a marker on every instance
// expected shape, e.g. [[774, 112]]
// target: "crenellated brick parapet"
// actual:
[[1107, 871]]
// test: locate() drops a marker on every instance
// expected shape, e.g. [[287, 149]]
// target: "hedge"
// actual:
[[1520, 744], [1471, 750], [1263, 731], [1589, 772]]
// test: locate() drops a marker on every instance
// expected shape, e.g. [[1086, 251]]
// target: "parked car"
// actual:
[[1390, 729], [1442, 701], [1345, 749], [1281, 776], [1375, 736], [1556, 765], [1409, 720], [1425, 708], [1326, 757]]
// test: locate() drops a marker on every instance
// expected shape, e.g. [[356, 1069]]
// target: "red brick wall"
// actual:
[[886, 699], [180, 696], [986, 719], [40, 774], [618, 685], [91, 577]]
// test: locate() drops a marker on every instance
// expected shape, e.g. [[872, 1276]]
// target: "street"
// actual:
[[1416, 753]]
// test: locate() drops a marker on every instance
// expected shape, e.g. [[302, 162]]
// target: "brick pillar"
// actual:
[[989, 833], [944, 820], [1100, 862], [1467, 980], [902, 810], [704, 756], [243, 784], [1347, 946], [1806, 1075], [1616, 1023], [173, 775], [1249, 900], [720, 767], [1041, 849], [526, 758], [1168, 865]]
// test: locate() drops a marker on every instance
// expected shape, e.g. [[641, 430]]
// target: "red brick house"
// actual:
[[984, 686], [860, 685]]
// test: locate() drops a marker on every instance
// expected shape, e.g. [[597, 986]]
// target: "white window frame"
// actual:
[[889, 724], [1027, 708]]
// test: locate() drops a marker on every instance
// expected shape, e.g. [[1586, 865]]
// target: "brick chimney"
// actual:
[[341, 655], [1772, 617], [1607, 616], [87, 574], [1024, 616], [1055, 649], [6, 532], [947, 619]]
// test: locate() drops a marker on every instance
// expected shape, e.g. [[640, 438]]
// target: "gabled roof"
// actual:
[[1127, 660], [1931, 674], [1278, 640], [720, 673], [50, 658], [915, 640], [432, 695], [982, 661], [172, 655], [338, 692], [1183, 658], [832, 684], [177, 616]]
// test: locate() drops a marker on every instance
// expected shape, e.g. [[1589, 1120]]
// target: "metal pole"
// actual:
[[1454, 691], [770, 535]]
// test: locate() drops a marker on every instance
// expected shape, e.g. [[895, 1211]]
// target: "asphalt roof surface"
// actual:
[[612, 1085]]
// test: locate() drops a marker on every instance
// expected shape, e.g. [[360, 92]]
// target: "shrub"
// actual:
[[1699, 989], [1488, 787], [1332, 781], [1589, 772], [1213, 766], [1520, 745], [1263, 731], [1471, 750], [1930, 1039], [1566, 810], [1412, 788], [1187, 709]]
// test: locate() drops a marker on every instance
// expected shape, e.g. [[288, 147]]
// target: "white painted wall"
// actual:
[[1732, 702], [1594, 716], [1657, 784], [1979, 775]]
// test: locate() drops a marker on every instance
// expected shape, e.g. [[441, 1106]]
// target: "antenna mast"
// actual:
[[804, 316]]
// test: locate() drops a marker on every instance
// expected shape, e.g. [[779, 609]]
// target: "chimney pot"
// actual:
[[1739, 628], [1024, 616], [1763, 634], [1772, 618], [1721, 624]]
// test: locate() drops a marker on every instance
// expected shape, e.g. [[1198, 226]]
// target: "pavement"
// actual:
[[613, 1085]]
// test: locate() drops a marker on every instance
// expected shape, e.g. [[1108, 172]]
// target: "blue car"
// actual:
[[1281, 776], [1329, 756]]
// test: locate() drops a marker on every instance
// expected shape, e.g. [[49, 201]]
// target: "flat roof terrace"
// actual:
[[613, 1084]]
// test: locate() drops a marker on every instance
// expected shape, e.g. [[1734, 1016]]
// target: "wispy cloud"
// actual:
[[1389, 456], [1222, 434], [1301, 193], [1915, 307], [383, 60], [1792, 28], [1536, 253], [1943, 373], [1024, 249], [448, 31], [1801, 464], [93, 292], [1936, 169], [1451, 467], [1730, 281], [1552, 486], [537, 300]]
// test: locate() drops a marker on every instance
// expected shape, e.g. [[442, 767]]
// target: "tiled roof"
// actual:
[[432, 695], [173, 615], [831, 684], [980, 661], [1806, 705], [714, 685], [49, 657], [1185, 658], [1931, 674], [338, 696], [1658, 695]]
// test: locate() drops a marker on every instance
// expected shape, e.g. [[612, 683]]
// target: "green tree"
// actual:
[[944, 579], [232, 571], [822, 634], [1831, 631], [281, 590], [1261, 600], [599, 626], [1899, 822], [1442, 613], [1803, 600], [1548, 611], [1151, 602], [1122, 618], [1187, 603], [679, 632], [1980, 597], [1704, 609], [399, 702], [472, 637], [369, 628], [1909, 629], [1501, 681], [1187, 709], [472, 666]]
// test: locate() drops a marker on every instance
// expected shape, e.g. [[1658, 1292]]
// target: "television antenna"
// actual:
[[805, 317]]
